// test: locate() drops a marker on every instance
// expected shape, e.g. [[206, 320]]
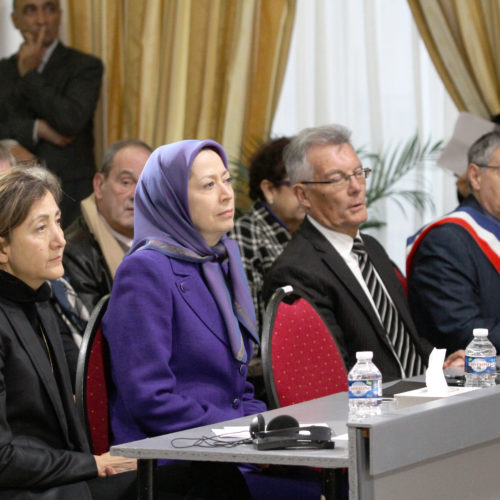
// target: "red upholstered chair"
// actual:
[[92, 381], [300, 358], [402, 279]]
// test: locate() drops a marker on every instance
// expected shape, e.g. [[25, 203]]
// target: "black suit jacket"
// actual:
[[311, 263], [43, 451], [65, 95], [85, 264]]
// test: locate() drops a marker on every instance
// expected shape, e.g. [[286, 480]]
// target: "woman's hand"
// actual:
[[108, 465]]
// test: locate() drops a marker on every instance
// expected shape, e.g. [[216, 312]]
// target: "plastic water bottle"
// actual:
[[480, 360], [365, 387]]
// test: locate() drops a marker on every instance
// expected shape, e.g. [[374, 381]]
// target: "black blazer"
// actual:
[[312, 264], [65, 95], [85, 264], [43, 451]]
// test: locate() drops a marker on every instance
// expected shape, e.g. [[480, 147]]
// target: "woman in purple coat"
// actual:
[[180, 323]]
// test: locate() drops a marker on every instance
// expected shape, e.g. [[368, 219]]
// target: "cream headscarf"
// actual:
[[110, 248]]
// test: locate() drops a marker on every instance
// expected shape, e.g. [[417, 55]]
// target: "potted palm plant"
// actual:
[[391, 167]]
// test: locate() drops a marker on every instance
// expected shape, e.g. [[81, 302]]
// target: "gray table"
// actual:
[[442, 449]]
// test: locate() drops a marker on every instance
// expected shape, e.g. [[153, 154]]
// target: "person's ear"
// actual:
[[301, 194], [474, 176], [14, 19], [97, 183], [267, 188], [4, 256]]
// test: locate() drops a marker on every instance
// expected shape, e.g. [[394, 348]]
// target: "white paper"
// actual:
[[468, 129], [434, 376], [233, 432], [340, 437]]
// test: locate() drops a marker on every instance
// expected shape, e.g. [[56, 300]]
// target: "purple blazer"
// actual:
[[171, 362]]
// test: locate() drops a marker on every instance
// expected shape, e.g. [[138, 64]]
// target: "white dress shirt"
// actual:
[[343, 244], [43, 62]]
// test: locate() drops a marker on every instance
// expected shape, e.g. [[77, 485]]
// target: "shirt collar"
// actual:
[[118, 236], [340, 241], [46, 55]]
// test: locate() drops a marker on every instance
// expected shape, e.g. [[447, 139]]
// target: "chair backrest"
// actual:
[[402, 279], [300, 358], [92, 380]]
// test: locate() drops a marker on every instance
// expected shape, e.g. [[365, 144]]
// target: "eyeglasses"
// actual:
[[340, 180], [486, 166]]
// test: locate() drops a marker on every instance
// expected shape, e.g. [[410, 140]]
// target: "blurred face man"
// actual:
[[340, 207], [114, 193], [485, 183], [32, 17]]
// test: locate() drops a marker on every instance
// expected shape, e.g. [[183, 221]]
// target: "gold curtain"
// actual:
[[182, 69], [463, 40]]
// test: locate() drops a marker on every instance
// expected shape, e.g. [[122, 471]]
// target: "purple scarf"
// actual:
[[162, 222]]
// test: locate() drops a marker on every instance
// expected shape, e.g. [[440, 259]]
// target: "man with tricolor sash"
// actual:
[[453, 264]]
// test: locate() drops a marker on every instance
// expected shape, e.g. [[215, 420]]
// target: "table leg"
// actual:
[[145, 479], [333, 484]]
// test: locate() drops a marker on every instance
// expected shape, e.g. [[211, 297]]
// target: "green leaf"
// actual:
[[395, 164]]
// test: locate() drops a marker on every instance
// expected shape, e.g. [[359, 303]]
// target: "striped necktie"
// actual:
[[397, 333]]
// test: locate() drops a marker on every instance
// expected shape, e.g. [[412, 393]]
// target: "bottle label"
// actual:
[[484, 365], [363, 389]]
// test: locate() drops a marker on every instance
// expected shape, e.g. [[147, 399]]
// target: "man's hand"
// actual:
[[108, 465], [455, 359], [31, 52], [21, 154], [47, 133]]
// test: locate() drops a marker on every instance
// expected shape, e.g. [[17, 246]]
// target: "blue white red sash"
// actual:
[[484, 231]]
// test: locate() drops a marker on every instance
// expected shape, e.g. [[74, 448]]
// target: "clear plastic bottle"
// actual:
[[365, 387], [480, 360]]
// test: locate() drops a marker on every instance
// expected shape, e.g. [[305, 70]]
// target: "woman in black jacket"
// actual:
[[44, 453]]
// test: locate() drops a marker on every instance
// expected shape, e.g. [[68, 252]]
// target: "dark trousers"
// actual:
[[178, 481]]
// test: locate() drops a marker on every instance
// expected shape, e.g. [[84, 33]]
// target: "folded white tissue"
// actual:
[[436, 386]]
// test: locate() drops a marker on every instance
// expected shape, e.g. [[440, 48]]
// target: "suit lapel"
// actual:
[[28, 339], [195, 293], [68, 417], [55, 59], [332, 259]]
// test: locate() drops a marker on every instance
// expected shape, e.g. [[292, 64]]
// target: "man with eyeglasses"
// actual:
[[347, 275], [453, 264]]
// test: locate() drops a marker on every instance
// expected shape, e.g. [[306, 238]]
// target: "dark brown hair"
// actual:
[[267, 163], [19, 189]]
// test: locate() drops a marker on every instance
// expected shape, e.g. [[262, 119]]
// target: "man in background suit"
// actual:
[[48, 95], [324, 260]]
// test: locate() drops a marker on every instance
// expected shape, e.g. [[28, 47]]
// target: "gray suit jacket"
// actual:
[[310, 263]]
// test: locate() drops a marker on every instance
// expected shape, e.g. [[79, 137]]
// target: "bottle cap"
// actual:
[[364, 355], [480, 332]]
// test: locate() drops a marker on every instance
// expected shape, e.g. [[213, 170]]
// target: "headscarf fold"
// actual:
[[162, 222]]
